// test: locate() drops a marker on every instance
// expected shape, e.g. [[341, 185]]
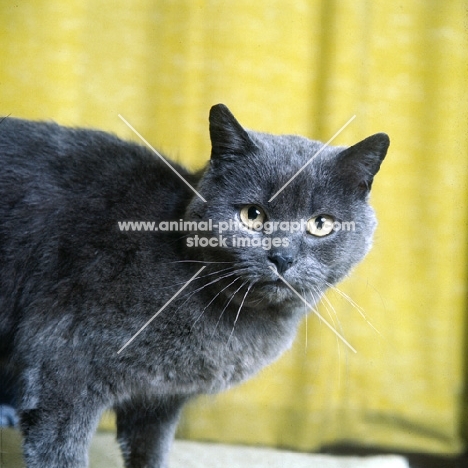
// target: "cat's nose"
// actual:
[[281, 260]]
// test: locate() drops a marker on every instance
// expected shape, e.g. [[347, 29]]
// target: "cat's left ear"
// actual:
[[362, 161], [228, 137]]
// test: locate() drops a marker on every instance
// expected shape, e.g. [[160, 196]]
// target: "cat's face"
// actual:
[[311, 231]]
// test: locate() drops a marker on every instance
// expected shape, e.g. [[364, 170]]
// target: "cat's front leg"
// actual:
[[57, 433], [145, 430]]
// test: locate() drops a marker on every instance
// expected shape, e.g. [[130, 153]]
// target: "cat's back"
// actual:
[[45, 166], [62, 193], [51, 157]]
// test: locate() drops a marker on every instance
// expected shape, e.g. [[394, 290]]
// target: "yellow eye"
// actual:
[[253, 217], [320, 226]]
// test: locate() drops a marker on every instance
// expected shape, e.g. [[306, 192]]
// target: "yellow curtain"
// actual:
[[305, 67]]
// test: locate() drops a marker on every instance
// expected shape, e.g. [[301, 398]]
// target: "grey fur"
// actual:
[[74, 288]]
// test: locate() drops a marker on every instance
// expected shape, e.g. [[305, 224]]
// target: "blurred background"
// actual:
[[302, 67]]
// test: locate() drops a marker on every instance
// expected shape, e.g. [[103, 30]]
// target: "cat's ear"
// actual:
[[362, 161], [228, 138]]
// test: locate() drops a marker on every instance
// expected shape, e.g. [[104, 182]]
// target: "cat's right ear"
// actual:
[[361, 162], [228, 137]]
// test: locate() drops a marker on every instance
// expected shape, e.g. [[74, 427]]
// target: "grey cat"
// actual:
[[76, 287]]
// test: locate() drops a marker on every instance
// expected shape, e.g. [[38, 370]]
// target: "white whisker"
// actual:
[[240, 307], [196, 261], [200, 277], [192, 293], [216, 295], [226, 306], [306, 316], [355, 305], [329, 308], [227, 275], [313, 309]]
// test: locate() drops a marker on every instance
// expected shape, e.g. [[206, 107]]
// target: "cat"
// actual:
[[79, 281]]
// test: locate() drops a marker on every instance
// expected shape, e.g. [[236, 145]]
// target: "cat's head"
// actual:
[[283, 205]]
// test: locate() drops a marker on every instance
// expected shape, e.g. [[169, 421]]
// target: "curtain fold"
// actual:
[[301, 67]]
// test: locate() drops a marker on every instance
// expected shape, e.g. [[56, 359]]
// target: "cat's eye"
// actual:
[[320, 225], [253, 217]]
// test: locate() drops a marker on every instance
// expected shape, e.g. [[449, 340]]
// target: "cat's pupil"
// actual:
[[253, 213], [319, 222]]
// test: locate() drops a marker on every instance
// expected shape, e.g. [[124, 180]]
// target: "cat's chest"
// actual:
[[201, 363]]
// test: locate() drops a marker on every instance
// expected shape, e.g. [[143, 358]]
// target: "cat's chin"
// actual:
[[275, 293], [287, 298]]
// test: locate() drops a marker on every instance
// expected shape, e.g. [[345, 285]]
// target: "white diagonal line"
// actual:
[[311, 159], [160, 156], [313, 310], [6, 117], [161, 309]]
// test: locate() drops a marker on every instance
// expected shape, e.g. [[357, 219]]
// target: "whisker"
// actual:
[[226, 306], [240, 307], [218, 271], [196, 261], [227, 275], [329, 308], [355, 305], [202, 276], [190, 294], [216, 295], [306, 316]]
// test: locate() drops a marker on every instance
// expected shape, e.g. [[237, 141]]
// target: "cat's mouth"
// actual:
[[273, 291], [285, 292]]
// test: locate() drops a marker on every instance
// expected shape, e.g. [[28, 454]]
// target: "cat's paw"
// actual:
[[8, 416]]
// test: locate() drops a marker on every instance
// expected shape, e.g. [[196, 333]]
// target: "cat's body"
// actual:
[[74, 288]]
